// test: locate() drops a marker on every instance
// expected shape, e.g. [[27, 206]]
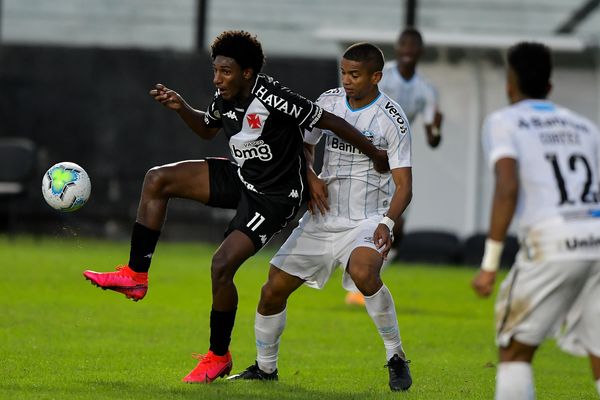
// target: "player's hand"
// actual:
[[318, 195], [383, 239], [167, 97], [380, 161], [483, 283]]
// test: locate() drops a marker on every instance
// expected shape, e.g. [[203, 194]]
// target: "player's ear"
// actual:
[[247, 73], [376, 77], [548, 88]]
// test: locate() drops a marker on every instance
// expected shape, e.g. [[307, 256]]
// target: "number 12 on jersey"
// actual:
[[586, 196]]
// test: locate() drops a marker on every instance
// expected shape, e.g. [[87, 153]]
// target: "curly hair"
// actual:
[[242, 46], [532, 63]]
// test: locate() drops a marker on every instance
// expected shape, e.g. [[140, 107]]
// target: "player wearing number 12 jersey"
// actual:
[[546, 160], [264, 124]]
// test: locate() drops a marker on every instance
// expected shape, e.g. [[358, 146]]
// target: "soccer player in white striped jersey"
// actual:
[[416, 96], [353, 212], [546, 161]]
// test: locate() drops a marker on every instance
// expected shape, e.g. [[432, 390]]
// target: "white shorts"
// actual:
[[318, 245], [539, 299]]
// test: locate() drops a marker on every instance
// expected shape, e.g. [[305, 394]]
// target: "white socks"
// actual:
[[380, 307], [268, 330], [514, 381], [598, 386]]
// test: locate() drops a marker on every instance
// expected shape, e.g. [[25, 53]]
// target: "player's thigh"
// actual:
[[358, 254], [535, 298], [184, 179], [307, 253]]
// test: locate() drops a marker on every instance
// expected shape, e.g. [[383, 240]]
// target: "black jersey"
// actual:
[[266, 137]]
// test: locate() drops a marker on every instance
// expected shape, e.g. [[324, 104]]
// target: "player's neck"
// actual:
[[407, 71], [355, 104]]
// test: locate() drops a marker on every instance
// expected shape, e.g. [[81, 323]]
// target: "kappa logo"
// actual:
[[253, 121], [263, 238], [231, 115], [294, 194]]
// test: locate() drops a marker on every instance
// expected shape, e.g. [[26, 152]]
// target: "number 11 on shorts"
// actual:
[[255, 221]]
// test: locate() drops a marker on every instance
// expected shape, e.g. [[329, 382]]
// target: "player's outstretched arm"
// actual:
[[503, 208], [382, 237], [351, 135], [192, 117]]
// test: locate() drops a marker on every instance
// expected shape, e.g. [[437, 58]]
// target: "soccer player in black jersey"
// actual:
[[263, 121]]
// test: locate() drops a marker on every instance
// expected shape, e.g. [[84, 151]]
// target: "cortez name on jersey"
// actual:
[[356, 190], [265, 137]]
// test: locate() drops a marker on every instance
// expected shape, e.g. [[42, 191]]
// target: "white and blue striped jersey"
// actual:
[[356, 190], [414, 96], [558, 155]]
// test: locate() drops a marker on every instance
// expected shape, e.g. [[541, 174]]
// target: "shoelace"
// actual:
[[401, 363], [199, 356], [120, 268]]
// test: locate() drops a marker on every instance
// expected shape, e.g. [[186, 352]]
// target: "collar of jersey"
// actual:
[[363, 107], [539, 105]]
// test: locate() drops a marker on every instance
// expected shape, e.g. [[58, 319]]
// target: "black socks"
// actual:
[[143, 243], [221, 326]]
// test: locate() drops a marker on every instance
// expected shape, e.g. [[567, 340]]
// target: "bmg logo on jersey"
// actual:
[[257, 149]]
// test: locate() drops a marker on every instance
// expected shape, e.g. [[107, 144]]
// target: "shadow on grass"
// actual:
[[221, 389]]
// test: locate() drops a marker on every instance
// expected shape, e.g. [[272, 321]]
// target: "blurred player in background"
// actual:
[[416, 96], [546, 161], [353, 210], [264, 123]]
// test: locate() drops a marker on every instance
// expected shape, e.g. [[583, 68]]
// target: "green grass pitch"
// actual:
[[62, 338]]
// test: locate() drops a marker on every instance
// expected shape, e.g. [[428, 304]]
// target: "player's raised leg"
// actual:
[[364, 267], [187, 179], [269, 324]]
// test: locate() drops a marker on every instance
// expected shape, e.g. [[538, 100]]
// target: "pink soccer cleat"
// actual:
[[210, 367], [133, 285]]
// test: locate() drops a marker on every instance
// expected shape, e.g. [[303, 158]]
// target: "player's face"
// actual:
[[229, 77], [357, 80], [408, 50]]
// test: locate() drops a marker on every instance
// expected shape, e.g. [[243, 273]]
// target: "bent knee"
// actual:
[[155, 180], [221, 270]]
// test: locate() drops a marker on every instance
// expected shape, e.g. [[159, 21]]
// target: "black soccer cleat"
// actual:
[[400, 378], [255, 373]]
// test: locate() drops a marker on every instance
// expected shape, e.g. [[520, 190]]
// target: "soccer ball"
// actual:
[[66, 186]]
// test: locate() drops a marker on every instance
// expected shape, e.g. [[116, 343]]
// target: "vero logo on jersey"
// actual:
[[253, 121]]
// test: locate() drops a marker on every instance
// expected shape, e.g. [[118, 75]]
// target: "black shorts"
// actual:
[[259, 216]]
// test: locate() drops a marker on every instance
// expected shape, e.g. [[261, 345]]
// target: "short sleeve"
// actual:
[[497, 139], [212, 116], [305, 112], [398, 136]]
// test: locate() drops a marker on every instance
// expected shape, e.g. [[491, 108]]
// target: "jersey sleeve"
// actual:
[[398, 136], [497, 139], [313, 136], [431, 105], [212, 116], [305, 112]]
